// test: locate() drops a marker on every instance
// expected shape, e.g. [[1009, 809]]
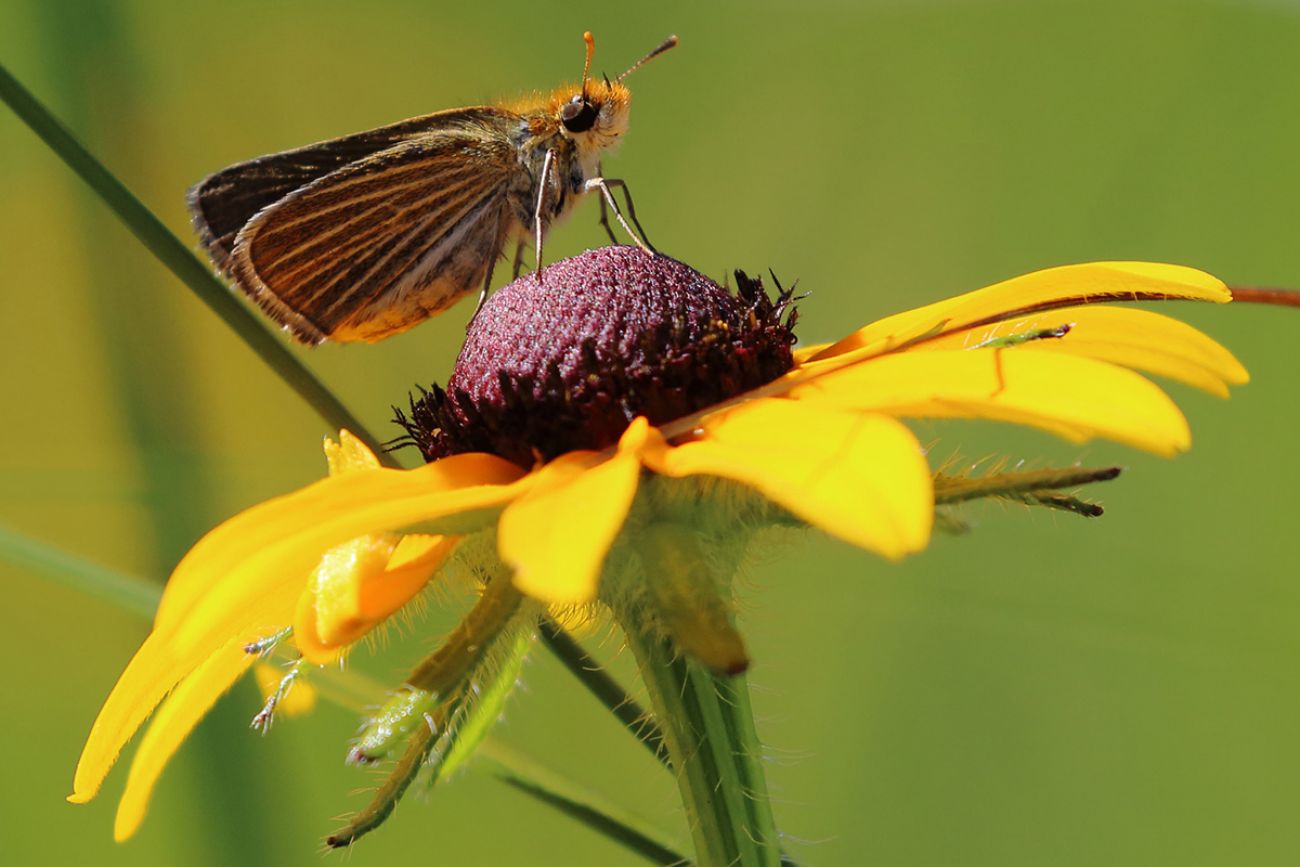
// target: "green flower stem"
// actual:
[[181, 261], [709, 728]]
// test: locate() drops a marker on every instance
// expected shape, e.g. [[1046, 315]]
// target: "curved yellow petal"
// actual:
[[371, 500], [1069, 395], [244, 578], [860, 477], [1133, 338], [275, 545], [417, 557], [335, 584], [306, 635], [155, 669], [1065, 286], [556, 536], [175, 719], [361, 583]]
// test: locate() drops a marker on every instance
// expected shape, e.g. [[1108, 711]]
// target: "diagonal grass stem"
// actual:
[[181, 260]]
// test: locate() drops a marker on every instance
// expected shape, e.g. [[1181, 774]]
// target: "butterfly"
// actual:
[[362, 237]]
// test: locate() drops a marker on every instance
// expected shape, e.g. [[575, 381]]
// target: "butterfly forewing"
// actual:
[[371, 242], [223, 202]]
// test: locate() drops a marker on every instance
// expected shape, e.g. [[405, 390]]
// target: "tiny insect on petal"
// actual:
[[1066, 286]]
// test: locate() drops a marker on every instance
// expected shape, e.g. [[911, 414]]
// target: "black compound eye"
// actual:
[[578, 115]]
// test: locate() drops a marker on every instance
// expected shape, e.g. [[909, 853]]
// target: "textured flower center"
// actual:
[[567, 361]]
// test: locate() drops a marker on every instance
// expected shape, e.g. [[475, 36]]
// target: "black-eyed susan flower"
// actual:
[[612, 436]]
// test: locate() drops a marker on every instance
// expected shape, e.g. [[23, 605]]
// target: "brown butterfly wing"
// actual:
[[365, 236], [223, 202]]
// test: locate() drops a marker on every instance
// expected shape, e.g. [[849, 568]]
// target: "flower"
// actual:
[[614, 434]]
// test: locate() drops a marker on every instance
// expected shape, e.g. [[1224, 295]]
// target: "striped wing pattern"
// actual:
[[379, 241]]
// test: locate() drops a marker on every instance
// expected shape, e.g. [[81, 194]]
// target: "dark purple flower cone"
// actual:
[[567, 361]]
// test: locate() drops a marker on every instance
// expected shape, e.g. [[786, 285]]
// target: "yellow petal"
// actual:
[[1066, 286], [556, 536], [348, 454], [803, 354], [416, 558], [306, 635], [294, 530], [862, 478], [1133, 338], [1069, 395], [175, 719], [245, 577], [361, 583], [154, 670], [336, 584]]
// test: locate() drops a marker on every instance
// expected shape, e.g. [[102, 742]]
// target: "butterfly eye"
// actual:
[[578, 115]]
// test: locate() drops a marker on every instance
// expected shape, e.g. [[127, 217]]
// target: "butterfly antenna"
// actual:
[[664, 46], [586, 67]]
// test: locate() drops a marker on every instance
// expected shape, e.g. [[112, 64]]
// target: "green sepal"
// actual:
[[490, 689]]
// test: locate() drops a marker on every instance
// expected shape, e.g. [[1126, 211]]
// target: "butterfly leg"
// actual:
[[547, 165], [607, 196], [604, 214], [483, 293], [604, 221]]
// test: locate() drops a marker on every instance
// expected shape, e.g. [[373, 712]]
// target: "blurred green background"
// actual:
[[1046, 691]]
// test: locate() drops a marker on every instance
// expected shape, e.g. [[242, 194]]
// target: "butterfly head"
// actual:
[[596, 112]]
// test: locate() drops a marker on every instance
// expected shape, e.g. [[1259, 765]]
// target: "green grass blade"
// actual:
[[181, 260], [627, 710], [125, 592], [585, 806]]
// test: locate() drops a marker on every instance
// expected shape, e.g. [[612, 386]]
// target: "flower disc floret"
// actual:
[[566, 359]]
